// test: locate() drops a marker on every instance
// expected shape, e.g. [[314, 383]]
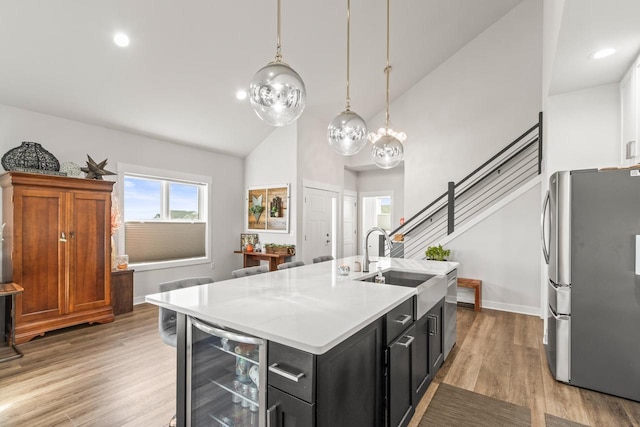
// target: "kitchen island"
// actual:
[[335, 325]]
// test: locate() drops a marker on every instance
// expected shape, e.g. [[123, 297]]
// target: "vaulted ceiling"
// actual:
[[178, 78]]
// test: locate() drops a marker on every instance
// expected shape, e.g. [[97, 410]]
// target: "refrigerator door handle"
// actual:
[[543, 219]]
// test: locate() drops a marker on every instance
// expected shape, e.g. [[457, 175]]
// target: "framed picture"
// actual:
[[248, 239], [268, 208]]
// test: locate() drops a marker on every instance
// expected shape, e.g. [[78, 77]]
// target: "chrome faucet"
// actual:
[[366, 262]]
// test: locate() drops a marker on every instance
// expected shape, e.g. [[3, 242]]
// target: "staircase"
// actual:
[[497, 178]]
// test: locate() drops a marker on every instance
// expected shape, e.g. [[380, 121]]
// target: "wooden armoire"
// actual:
[[57, 246]]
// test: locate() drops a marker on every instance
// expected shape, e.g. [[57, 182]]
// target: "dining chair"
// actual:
[[290, 264], [250, 271], [322, 258]]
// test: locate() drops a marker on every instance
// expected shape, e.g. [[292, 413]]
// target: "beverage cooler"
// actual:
[[225, 377]]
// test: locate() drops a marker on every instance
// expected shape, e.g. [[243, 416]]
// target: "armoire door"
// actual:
[[40, 253], [89, 219]]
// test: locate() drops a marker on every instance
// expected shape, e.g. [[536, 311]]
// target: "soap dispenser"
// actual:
[[379, 278]]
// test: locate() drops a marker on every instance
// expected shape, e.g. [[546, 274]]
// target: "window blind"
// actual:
[[163, 241]]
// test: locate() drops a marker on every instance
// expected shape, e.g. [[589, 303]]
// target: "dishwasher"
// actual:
[[450, 311]]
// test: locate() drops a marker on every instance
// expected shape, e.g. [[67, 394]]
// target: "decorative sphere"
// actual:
[[277, 94], [387, 152], [347, 133]]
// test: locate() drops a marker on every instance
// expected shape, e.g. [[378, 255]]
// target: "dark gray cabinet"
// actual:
[[428, 350], [342, 387], [374, 378], [399, 337], [422, 374], [286, 410], [435, 317], [399, 379]]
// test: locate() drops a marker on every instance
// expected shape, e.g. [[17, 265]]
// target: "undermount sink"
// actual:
[[400, 278]]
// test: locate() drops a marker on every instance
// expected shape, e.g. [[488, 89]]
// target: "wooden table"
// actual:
[[251, 259], [11, 289]]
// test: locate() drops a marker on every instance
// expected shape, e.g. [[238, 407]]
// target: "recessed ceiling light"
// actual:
[[603, 53], [241, 94], [121, 39]]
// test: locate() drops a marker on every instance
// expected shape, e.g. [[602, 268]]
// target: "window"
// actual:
[[165, 217], [383, 213]]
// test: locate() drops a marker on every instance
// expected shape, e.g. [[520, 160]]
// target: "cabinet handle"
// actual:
[[431, 331], [63, 237], [408, 342], [288, 375], [272, 416], [405, 319]]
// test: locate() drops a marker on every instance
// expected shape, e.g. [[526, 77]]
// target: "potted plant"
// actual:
[[256, 210], [437, 253]]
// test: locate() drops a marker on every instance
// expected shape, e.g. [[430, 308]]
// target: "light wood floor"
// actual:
[[501, 355], [116, 374], [121, 374]]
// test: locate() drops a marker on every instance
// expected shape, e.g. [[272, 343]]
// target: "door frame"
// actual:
[[351, 193]]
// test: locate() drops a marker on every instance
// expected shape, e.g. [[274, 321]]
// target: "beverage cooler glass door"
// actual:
[[226, 379]]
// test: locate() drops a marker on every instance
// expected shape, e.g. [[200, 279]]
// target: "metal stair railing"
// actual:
[[503, 173]]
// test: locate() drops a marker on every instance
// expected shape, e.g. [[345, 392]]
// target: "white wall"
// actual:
[[350, 180], [471, 106], [503, 251], [583, 129], [457, 117], [552, 20], [72, 141], [319, 163], [273, 162]]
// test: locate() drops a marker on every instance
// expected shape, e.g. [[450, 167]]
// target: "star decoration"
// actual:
[[96, 170]]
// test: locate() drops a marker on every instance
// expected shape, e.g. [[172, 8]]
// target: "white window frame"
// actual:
[[163, 174]]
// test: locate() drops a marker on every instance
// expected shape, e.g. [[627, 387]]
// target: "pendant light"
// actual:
[[277, 92], [387, 150], [347, 132]]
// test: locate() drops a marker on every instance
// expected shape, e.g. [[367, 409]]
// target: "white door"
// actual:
[[319, 231], [350, 226]]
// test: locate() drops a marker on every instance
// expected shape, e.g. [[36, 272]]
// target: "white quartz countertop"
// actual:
[[310, 308]]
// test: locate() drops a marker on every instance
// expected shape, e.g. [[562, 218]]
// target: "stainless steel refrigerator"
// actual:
[[590, 224]]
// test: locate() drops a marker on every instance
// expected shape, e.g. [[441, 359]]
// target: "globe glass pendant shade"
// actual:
[[387, 152], [347, 133], [277, 94]]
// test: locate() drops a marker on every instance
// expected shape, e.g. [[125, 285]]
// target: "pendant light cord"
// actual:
[[348, 99], [387, 69], [278, 50]]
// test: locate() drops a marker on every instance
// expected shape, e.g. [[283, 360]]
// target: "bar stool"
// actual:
[[12, 289]]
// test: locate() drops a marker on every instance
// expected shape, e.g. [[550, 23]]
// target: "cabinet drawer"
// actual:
[[399, 319], [292, 370]]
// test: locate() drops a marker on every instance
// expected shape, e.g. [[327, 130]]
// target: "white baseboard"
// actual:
[[501, 306], [138, 300]]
